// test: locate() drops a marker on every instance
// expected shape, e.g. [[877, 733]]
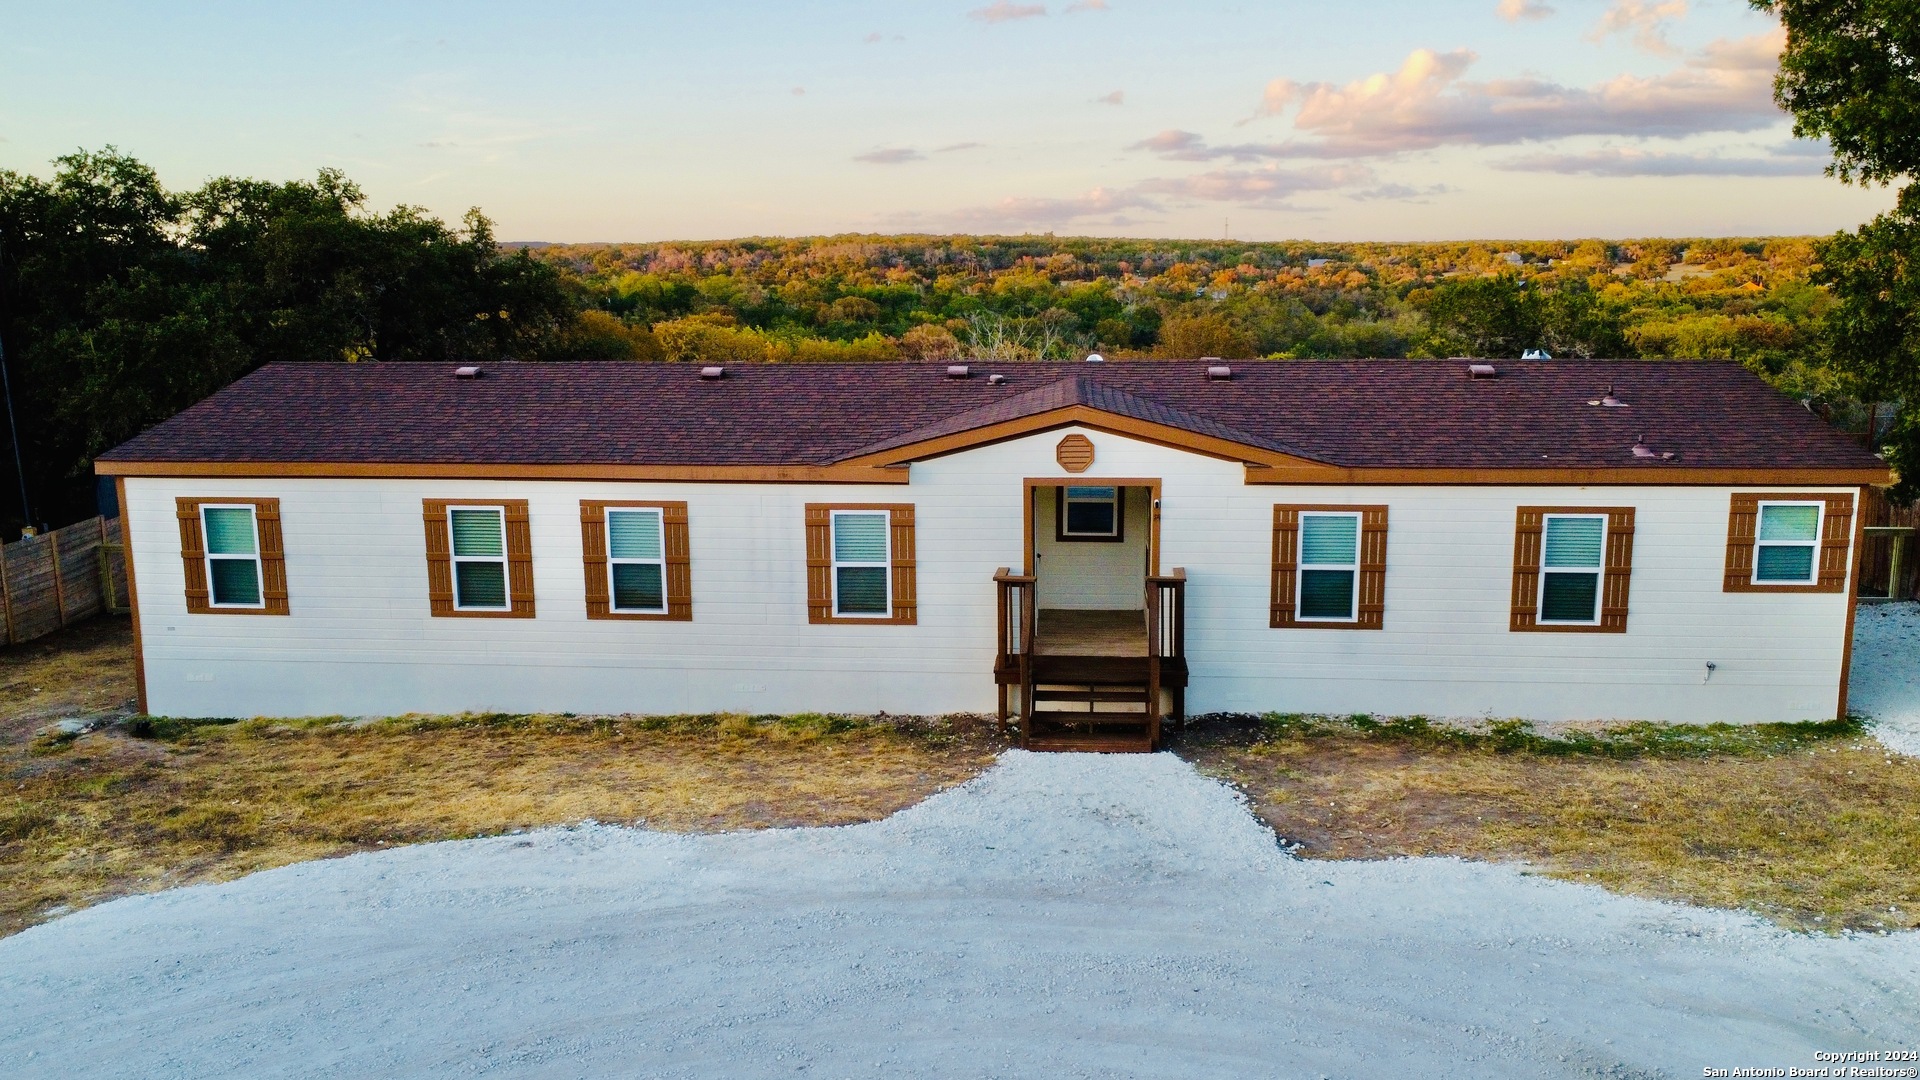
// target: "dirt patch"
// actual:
[[84, 670], [1813, 826], [142, 804]]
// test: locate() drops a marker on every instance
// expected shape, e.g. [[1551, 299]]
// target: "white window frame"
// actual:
[[1302, 566], [1819, 530], [1599, 572], [207, 554], [1067, 500], [885, 564], [613, 595], [454, 558]]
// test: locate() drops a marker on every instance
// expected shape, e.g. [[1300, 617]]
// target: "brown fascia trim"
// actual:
[[1088, 417], [691, 474], [1664, 476]]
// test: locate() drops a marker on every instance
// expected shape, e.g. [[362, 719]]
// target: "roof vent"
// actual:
[[1610, 400], [996, 380], [1219, 371], [1096, 358], [1535, 354], [1482, 371], [466, 372], [713, 371], [1642, 450], [958, 371]]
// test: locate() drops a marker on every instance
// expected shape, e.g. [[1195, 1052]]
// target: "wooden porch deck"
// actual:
[[1090, 682]]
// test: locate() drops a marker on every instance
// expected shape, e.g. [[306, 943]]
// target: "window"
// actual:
[[1787, 545], [1572, 569], [1329, 565], [230, 552], [479, 558], [637, 560], [1794, 541], [1091, 513], [860, 564], [1571, 565], [233, 556]]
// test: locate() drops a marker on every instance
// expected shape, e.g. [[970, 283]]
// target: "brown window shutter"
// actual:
[[1836, 544], [819, 563], [273, 556], [439, 558], [1372, 607], [193, 555], [1616, 583], [905, 603], [679, 553], [1286, 560], [1743, 525], [1528, 535], [519, 558], [593, 551]]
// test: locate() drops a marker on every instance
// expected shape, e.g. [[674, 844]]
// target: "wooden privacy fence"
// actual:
[[1889, 549], [61, 577]]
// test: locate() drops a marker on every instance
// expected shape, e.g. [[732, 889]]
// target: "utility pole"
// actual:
[[6, 390]]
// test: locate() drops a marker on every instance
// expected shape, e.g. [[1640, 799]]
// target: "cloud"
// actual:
[[1266, 186], [1118, 97], [1026, 210], [1087, 5], [1646, 19], [1400, 193], [1001, 11], [1517, 10], [798, 91], [874, 38], [952, 147], [1630, 162], [1728, 86], [895, 155]]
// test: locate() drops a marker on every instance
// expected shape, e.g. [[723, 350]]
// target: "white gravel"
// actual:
[[1886, 673], [1061, 916]]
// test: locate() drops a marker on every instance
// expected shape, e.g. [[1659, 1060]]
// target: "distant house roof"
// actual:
[[1346, 414]]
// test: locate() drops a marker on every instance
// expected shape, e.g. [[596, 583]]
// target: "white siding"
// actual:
[[360, 641]]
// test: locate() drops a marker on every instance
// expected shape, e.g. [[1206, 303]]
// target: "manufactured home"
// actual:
[[1093, 549]]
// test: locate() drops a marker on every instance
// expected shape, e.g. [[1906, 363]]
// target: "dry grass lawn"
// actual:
[[1813, 826], [113, 812]]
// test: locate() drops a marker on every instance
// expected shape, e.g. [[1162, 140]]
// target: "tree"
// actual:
[[1493, 316], [122, 303], [1851, 75]]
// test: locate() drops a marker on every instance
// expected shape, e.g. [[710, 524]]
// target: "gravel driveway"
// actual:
[[1062, 915], [1886, 673]]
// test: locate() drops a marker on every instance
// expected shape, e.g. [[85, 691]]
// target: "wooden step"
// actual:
[[1091, 744], [1130, 696]]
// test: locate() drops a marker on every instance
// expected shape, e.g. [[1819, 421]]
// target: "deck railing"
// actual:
[[1015, 655], [1166, 636]]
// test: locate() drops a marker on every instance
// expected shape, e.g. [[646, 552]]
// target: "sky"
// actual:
[[638, 121]]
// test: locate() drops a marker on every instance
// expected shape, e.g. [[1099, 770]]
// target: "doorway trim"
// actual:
[[1032, 483]]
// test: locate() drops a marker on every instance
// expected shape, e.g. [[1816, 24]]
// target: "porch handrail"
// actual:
[[1166, 634], [1015, 631]]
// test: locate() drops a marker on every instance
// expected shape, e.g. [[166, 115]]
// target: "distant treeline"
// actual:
[[122, 303]]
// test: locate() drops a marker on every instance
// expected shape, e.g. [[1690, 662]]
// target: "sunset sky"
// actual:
[[645, 121]]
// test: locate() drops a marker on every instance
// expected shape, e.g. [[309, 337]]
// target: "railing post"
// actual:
[[1026, 662]]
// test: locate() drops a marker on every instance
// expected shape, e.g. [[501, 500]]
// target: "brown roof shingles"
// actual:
[[1357, 413]]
